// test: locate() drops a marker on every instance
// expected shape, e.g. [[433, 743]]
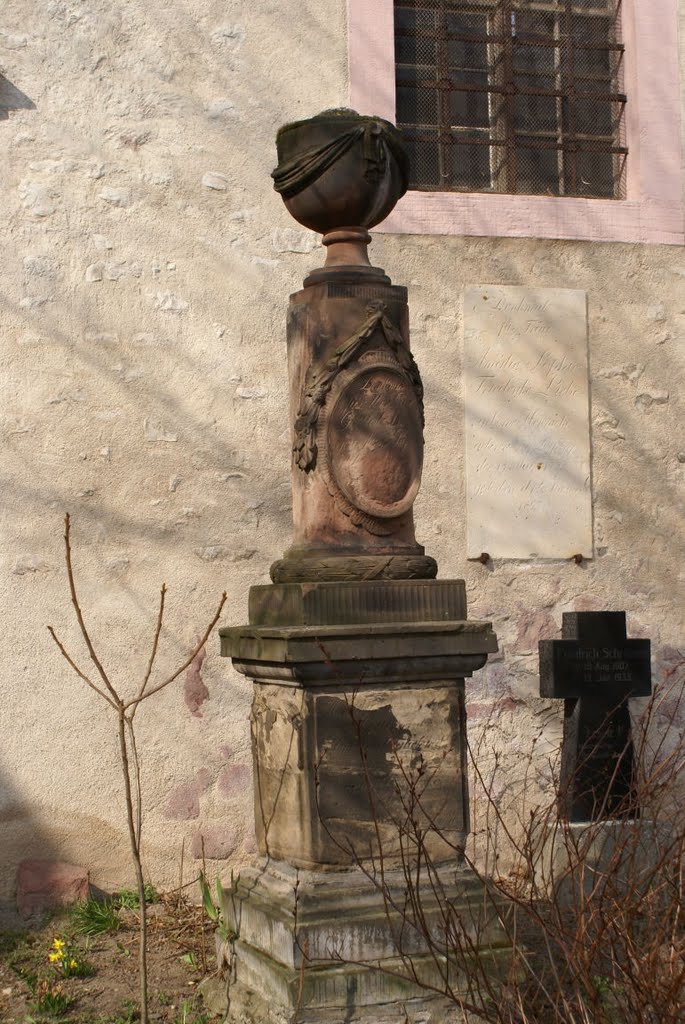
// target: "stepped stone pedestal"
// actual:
[[358, 654], [356, 727]]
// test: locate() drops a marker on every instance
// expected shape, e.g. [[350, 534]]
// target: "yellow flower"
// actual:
[[58, 943], [54, 957], [72, 964]]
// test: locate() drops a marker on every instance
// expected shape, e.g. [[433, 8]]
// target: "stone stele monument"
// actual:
[[357, 653]]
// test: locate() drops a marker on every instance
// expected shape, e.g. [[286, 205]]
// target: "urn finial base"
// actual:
[[347, 255], [347, 247]]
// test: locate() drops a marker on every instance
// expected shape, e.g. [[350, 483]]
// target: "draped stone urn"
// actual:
[[358, 654]]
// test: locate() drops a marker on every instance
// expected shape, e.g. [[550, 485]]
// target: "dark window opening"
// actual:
[[512, 96]]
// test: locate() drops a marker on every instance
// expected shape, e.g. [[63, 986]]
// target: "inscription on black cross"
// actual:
[[596, 669]]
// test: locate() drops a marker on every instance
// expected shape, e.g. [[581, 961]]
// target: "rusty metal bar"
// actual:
[[579, 144], [502, 26], [521, 90], [458, 37], [442, 68]]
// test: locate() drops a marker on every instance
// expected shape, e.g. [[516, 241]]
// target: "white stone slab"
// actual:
[[527, 422]]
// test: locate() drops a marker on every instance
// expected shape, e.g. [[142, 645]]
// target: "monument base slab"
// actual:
[[318, 947], [247, 1008], [583, 858]]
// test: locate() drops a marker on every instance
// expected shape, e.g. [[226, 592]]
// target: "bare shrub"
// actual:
[[124, 710], [592, 913]]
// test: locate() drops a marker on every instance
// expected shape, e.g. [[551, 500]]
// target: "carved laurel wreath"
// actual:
[[319, 380]]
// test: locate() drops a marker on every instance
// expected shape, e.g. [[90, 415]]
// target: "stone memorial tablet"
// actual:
[[527, 422]]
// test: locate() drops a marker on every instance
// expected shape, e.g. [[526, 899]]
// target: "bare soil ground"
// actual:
[[180, 953]]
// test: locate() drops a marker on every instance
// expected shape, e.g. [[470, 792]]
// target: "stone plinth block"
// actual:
[[337, 775], [350, 655], [356, 729], [355, 603], [319, 945], [359, 749]]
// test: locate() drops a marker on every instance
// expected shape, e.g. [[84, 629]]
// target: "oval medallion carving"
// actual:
[[374, 441]]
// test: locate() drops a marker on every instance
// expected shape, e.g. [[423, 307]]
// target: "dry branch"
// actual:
[[128, 751]]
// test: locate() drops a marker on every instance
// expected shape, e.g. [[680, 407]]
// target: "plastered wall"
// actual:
[[146, 267]]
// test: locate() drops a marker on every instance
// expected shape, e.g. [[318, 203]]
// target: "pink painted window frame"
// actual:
[[653, 210]]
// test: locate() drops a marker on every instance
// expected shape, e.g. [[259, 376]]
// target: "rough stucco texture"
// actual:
[[146, 269]]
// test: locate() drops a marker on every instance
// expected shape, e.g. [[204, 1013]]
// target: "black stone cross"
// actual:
[[596, 670]]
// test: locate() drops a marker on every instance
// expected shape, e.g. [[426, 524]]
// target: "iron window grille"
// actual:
[[512, 96]]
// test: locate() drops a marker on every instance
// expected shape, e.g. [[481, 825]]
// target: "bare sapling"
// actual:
[[124, 710]]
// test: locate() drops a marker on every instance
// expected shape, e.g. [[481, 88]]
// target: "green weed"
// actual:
[[214, 909], [11, 943], [128, 898], [17, 952], [130, 1015], [30, 978], [188, 1015], [93, 917]]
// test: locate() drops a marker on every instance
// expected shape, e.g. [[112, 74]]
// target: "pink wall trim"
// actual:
[[654, 210], [371, 48]]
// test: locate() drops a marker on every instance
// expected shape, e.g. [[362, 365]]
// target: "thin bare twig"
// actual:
[[155, 645], [191, 658], [79, 614], [77, 670], [136, 778]]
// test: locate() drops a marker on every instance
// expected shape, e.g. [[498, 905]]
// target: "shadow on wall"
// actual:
[[21, 838], [39, 480], [12, 98]]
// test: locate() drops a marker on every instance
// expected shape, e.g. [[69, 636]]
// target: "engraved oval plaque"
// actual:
[[375, 442]]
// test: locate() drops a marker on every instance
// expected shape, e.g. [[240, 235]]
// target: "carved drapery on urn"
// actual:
[[340, 170], [355, 391]]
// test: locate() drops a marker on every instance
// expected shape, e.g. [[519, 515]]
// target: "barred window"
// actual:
[[512, 96]]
